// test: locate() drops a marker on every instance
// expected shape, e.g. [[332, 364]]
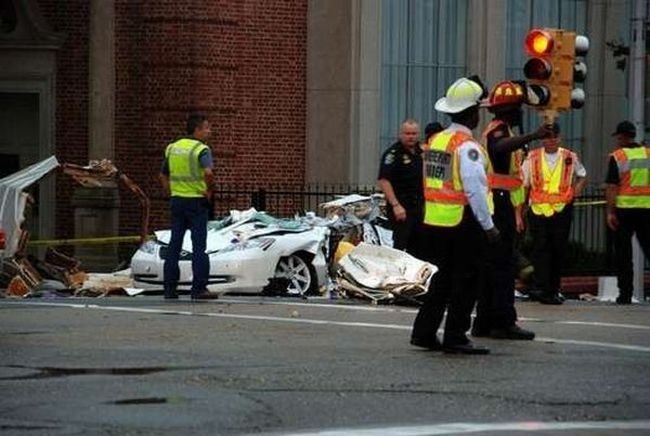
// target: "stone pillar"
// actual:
[[97, 209], [343, 77], [96, 213]]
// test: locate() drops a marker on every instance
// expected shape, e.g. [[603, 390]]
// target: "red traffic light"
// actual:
[[539, 43]]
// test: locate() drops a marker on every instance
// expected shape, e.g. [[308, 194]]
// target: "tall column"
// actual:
[[102, 80], [97, 209], [343, 76]]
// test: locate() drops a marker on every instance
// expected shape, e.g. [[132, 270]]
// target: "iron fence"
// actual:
[[590, 248]]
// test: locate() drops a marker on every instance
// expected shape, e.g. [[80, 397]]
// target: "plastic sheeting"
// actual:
[[13, 200]]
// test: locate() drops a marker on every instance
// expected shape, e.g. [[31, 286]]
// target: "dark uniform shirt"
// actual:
[[500, 160], [403, 169], [613, 177]]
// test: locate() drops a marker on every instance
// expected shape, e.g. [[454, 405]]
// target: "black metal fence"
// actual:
[[590, 248]]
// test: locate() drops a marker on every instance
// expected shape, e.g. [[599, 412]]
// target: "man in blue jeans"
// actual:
[[186, 174]]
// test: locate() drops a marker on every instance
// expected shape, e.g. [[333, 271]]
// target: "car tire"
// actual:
[[299, 272]]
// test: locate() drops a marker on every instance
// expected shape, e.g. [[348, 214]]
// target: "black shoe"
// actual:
[[171, 295], [552, 299], [480, 332], [468, 348], [624, 299], [430, 344], [512, 332], [204, 295]]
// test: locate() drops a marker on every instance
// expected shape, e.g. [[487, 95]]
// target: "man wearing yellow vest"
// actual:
[[457, 222], [628, 203], [553, 177], [186, 174], [495, 312]]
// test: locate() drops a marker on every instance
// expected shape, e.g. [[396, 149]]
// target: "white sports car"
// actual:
[[249, 252]]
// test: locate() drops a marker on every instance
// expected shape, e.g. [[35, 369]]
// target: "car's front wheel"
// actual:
[[298, 272]]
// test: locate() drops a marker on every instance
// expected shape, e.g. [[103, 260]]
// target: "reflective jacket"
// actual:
[[551, 191], [185, 172], [444, 198], [513, 181], [634, 173]]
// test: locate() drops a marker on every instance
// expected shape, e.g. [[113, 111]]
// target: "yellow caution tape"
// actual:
[[590, 203], [85, 241]]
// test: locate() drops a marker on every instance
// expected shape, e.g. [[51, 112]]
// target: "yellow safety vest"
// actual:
[[185, 172], [444, 197], [634, 172], [551, 191], [513, 181]]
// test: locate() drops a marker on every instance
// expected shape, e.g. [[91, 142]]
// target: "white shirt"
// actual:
[[474, 177], [551, 160]]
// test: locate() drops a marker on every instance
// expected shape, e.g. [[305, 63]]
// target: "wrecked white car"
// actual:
[[249, 252]]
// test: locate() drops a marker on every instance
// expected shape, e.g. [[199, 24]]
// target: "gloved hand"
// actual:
[[493, 235]]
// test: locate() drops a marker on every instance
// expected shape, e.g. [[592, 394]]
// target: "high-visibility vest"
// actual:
[[550, 190], [444, 198], [634, 173], [185, 172], [513, 181]]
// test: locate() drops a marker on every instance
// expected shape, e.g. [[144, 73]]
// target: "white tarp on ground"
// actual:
[[13, 199], [381, 273]]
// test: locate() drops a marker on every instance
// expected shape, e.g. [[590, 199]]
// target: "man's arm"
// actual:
[[164, 182], [208, 177], [391, 199], [610, 197], [505, 145]]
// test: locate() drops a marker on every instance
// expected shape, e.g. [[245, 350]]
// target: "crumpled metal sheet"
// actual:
[[13, 201], [382, 273]]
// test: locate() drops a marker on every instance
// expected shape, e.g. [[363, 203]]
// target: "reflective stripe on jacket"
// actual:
[[550, 190], [185, 172], [634, 174], [513, 181], [444, 198]]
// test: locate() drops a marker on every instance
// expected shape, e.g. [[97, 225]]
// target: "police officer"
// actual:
[[457, 220], [628, 203], [495, 312], [553, 176], [400, 179], [186, 174]]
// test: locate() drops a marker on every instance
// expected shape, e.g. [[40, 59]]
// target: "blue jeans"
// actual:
[[188, 214]]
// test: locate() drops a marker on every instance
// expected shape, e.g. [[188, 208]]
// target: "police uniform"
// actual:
[[403, 169], [629, 170], [496, 303], [457, 214], [550, 177]]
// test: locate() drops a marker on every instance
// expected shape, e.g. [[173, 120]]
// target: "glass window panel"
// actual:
[[423, 52]]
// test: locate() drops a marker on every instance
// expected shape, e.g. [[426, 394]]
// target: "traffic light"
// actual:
[[552, 69]]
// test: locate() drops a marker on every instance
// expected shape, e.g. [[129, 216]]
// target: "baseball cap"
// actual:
[[625, 128]]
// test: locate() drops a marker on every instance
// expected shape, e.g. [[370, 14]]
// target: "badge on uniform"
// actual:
[[406, 160], [389, 159], [473, 154]]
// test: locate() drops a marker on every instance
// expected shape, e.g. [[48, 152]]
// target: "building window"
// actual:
[[424, 45], [523, 15], [8, 18]]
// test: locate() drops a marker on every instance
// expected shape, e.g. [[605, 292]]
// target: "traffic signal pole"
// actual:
[[636, 99]]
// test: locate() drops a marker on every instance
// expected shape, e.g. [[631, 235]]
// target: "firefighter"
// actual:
[[495, 313], [628, 203], [457, 221], [554, 177]]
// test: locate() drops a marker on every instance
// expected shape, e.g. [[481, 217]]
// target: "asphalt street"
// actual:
[[253, 365]]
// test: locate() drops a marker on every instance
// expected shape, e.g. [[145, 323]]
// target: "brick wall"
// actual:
[[69, 17], [243, 62]]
